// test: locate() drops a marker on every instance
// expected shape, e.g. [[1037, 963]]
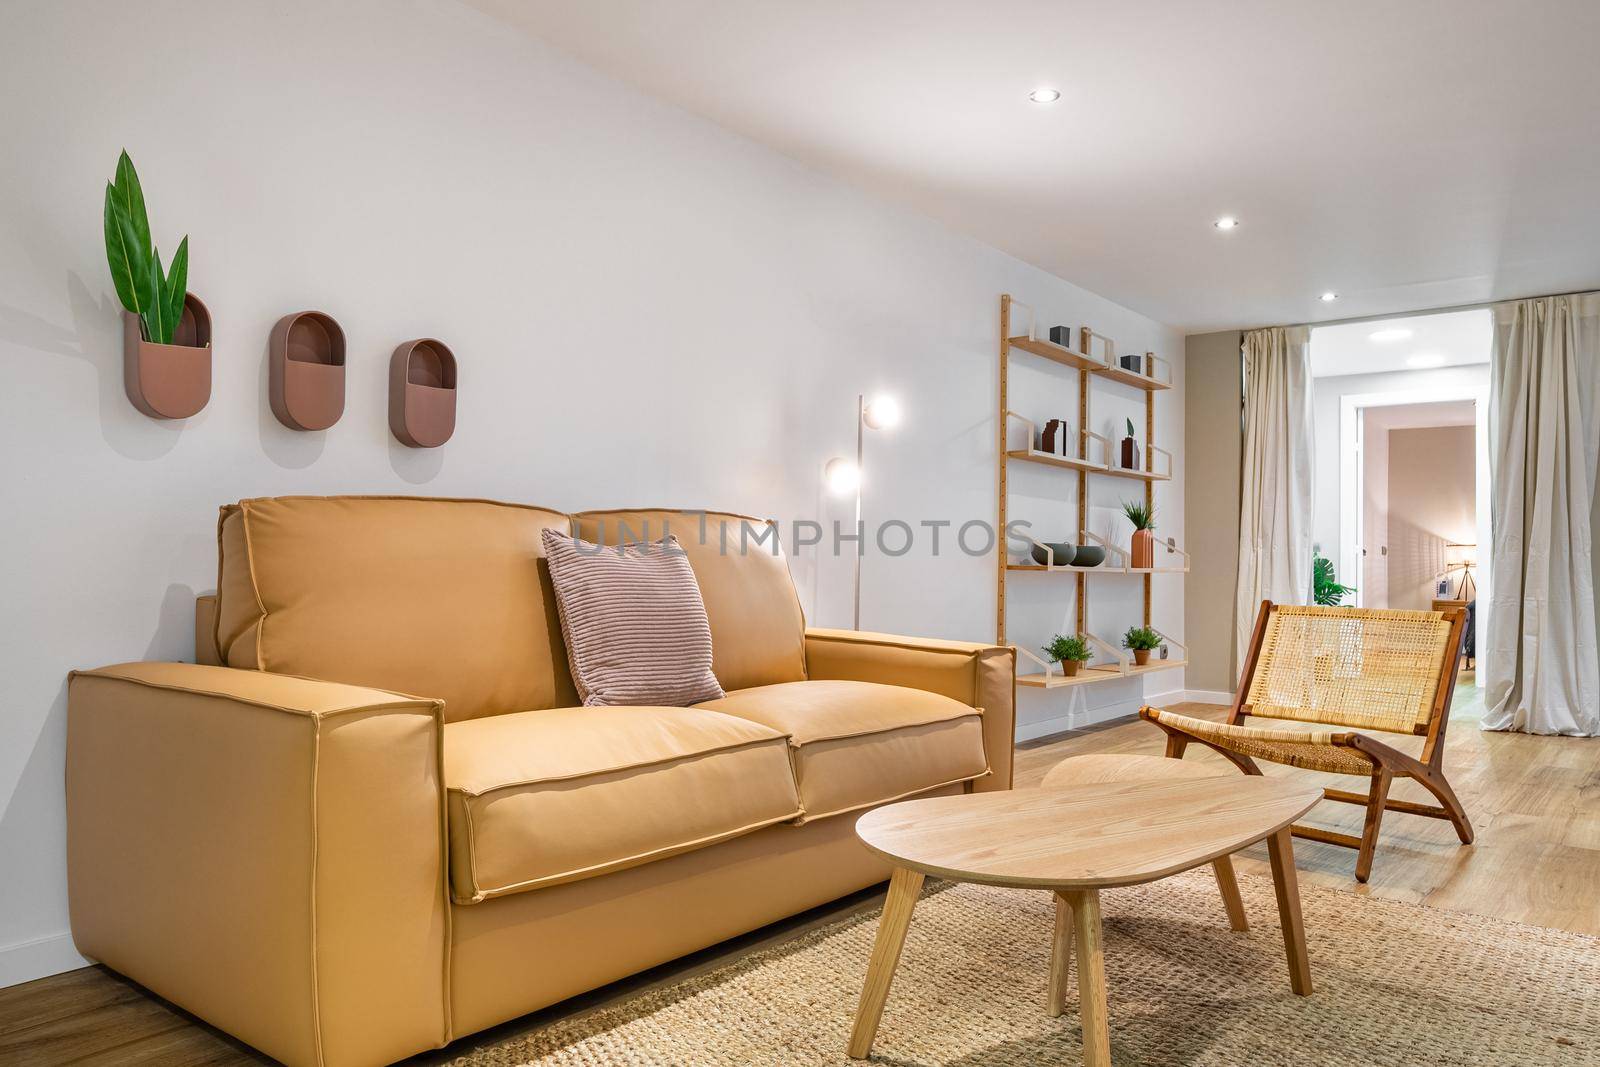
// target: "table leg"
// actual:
[[904, 886], [1285, 882], [1091, 977], [1228, 886], [1060, 952]]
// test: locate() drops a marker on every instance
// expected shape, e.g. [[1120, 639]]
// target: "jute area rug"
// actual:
[[1395, 984]]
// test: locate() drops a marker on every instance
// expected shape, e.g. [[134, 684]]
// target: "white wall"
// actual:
[[1327, 394], [1373, 581], [646, 310]]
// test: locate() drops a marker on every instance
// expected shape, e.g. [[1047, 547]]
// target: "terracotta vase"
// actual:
[[1141, 656], [1069, 667], [1144, 550]]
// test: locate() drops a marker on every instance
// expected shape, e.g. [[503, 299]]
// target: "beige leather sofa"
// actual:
[[380, 821]]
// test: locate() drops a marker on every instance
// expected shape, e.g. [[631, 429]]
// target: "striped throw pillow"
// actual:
[[635, 625]]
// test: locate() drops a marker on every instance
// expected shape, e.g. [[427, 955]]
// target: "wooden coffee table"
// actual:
[[1076, 842]]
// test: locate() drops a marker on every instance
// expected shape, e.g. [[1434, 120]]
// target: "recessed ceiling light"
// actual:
[[1226, 222], [1045, 96], [1425, 360], [1329, 297], [1393, 333]]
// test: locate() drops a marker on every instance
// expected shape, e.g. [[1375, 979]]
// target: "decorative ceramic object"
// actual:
[[1065, 553], [306, 371], [169, 381], [1143, 518], [422, 393], [1141, 656], [1144, 550], [1054, 438], [1089, 556], [1061, 335], [1130, 450], [1069, 667]]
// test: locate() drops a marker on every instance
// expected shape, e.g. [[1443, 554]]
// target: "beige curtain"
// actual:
[[1541, 666], [1275, 487]]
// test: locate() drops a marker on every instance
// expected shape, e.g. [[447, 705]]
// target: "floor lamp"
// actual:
[[882, 413], [1462, 557]]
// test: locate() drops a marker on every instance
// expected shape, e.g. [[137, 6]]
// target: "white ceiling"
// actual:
[[1447, 340], [1408, 154]]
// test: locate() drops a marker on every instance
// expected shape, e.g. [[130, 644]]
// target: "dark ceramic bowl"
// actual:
[[1066, 553], [1090, 556]]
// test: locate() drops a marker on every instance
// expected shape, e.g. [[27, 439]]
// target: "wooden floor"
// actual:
[[1535, 802]]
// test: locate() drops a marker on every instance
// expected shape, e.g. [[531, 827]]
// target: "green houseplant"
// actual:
[[1071, 652], [1143, 517], [149, 291], [166, 335], [1325, 590], [1141, 640]]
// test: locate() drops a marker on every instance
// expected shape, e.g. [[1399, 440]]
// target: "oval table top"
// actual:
[[1082, 837]]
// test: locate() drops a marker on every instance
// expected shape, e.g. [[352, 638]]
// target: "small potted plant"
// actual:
[[1141, 640], [1130, 449], [1143, 517], [167, 331], [1071, 652]]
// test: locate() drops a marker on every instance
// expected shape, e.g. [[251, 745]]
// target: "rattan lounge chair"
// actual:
[[1364, 669]]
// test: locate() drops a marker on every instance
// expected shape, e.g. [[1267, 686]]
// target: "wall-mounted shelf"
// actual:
[[1090, 675], [1050, 459], [1128, 377], [1083, 360], [1095, 357], [1058, 354]]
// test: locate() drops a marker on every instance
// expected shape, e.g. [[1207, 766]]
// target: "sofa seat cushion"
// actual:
[[538, 798], [856, 744]]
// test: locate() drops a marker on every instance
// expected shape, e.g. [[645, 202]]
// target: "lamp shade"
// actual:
[[882, 413], [842, 475]]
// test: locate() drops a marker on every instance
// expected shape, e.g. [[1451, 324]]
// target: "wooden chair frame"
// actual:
[[1387, 763]]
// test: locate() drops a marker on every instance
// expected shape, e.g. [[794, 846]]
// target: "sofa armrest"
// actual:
[[265, 851], [982, 676]]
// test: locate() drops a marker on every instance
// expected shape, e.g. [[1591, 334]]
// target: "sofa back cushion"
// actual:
[[757, 628], [439, 598]]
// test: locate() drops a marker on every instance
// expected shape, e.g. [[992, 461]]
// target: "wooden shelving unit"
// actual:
[[1114, 662]]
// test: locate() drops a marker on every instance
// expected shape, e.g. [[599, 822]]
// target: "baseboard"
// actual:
[[1207, 696], [1078, 720], [38, 959]]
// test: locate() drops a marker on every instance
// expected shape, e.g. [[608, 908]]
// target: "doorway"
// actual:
[[1402, 465]]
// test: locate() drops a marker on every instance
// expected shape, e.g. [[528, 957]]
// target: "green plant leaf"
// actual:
[[1325, 590], [174, 287], [120, 256], [130, 198], [130, 267], [156, 327]]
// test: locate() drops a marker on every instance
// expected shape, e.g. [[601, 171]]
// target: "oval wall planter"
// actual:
[[422, 393], [306, 371], [169, 381]]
